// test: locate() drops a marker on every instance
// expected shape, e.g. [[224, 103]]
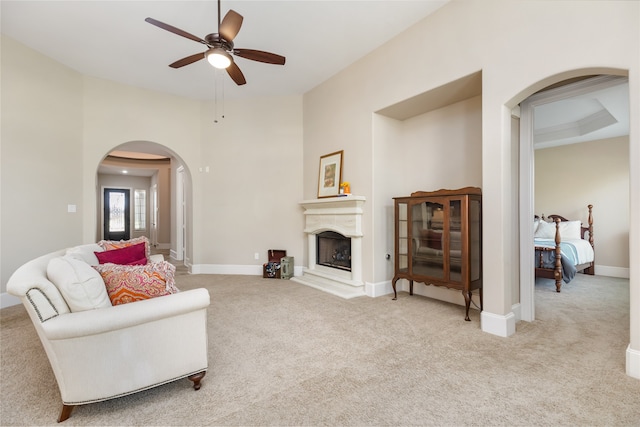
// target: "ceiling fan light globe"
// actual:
[[219, 58]]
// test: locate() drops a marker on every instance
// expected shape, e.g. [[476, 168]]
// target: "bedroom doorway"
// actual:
[[563, 91]]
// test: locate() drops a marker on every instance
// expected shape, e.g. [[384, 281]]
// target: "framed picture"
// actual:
[[330, 174]]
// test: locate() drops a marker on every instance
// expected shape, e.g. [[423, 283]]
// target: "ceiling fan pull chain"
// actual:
[[222, 99], [215, 98]]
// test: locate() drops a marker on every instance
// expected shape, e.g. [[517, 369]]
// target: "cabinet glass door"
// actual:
[[475, 229], [426, 235], [455, 240]]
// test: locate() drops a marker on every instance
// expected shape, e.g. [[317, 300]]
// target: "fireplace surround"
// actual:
[[343, 216]]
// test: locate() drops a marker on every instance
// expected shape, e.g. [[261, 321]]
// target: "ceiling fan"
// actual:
[[220, 46]]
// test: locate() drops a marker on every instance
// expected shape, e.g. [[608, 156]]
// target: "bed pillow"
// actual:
[[570, 230], [108, 245], [80, 285], [125, 284], [546, 230], [128, 255]]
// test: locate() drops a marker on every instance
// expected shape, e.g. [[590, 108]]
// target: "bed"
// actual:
[[563, 248]]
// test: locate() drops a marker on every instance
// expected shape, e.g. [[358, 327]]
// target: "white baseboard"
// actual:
[[497, 324], [633, 362], [605, 270], [7, 300], [378, 289], [248, 270], [516, 309]]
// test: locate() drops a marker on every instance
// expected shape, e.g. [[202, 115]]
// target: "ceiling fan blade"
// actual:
[[258, 55], [175, 30], [230, 25], [234, 72], [188, 60]]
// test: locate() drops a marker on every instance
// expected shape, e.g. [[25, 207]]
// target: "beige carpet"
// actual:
[[285, 354]]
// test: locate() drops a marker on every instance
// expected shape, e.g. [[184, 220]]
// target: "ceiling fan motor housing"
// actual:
[[215, 40]]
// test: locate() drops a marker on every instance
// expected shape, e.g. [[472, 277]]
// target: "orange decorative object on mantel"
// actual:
[[345, 187]]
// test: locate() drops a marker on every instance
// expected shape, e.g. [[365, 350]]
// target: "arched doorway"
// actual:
[[160, 176], [562, 90]]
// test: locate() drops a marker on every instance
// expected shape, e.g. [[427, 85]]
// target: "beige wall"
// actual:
[[570, 177], [41, 137], [251, 192]]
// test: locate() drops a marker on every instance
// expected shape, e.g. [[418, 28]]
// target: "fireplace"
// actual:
[[333, 250], [333, 227]]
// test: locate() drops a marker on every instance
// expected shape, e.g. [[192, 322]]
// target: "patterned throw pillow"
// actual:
[[129, 283], [108, 245]]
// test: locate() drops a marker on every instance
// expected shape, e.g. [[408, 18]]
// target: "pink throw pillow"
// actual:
[[129, 255]]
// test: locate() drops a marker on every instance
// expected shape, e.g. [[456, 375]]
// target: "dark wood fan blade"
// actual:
[[188, 60], [234, 72], [175, 30], [230, 25], [258, 55]]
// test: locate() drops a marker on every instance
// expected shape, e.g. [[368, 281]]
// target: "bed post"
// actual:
[[591, 269], [557, 271]]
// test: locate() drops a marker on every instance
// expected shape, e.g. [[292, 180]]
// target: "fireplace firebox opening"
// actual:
[[333, 250]]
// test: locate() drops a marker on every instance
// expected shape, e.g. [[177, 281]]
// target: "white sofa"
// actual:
[[108, 352]]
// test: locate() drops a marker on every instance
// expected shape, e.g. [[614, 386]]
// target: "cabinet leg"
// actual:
[[393, 283], [467, 301], [410, 287]]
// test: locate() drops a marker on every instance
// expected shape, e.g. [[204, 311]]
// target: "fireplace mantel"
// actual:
[[342, 215]]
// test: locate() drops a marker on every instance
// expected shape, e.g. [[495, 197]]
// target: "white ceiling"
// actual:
[[111, 40], [598, 113]]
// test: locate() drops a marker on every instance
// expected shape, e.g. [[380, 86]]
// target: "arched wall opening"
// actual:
[[169, 193], [524, 307]]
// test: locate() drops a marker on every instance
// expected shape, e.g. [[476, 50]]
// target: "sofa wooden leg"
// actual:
[[196, 378], [65, 413]]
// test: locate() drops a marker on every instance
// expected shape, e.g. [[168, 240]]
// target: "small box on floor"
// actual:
[[271, 269], [286, 267]]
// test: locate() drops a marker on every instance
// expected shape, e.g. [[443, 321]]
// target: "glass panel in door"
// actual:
[[475, 240], [455, 240], [427, 230]]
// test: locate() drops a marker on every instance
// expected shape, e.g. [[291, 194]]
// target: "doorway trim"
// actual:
[[527, 176], [181, 227]]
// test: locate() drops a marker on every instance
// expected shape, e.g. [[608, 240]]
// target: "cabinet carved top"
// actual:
[[446, 192]]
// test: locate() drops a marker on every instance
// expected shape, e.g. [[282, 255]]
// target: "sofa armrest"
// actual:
[[94, 322]]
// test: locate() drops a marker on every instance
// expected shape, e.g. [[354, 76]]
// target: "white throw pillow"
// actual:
[[80, 284], [85, 253], [570, 230], [546, 230]]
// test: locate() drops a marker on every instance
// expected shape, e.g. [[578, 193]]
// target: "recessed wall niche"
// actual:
[[425, 143]]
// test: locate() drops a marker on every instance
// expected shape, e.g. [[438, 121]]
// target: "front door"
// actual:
[[116, 214]]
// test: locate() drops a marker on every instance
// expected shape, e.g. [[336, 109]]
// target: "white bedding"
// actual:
[[579, 251]]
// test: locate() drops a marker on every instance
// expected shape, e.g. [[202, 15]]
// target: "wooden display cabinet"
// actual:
[[438, 240]]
